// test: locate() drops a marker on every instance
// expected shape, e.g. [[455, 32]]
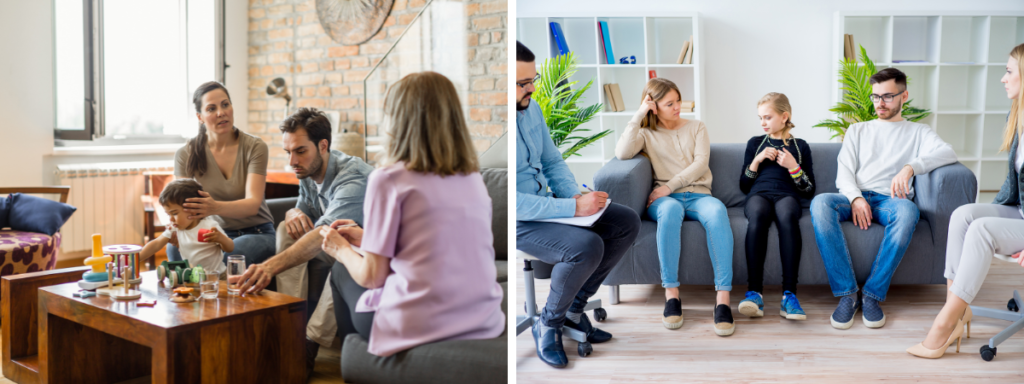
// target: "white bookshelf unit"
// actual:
[[954, 62], [655, 41]]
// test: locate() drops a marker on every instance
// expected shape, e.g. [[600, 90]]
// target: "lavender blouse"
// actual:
[[437, 232]]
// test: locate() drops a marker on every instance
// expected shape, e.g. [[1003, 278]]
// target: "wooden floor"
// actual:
[[772, 349]]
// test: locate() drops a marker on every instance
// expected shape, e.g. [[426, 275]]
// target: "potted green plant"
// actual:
[[557, 101], [856, 105]]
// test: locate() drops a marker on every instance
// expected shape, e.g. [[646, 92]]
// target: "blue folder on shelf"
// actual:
[[556, 31], [607, 42]]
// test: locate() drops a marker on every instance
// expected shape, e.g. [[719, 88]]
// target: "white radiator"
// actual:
[[107, 196]]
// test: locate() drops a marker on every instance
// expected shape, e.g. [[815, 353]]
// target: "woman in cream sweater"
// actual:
[[679, 150]]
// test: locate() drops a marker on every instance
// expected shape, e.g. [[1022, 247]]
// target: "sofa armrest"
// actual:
[[940, 192], [278, 207], [627, 182]]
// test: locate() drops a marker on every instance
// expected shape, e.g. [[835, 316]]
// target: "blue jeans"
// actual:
[[898, 216], [256, 243], [669, 212]]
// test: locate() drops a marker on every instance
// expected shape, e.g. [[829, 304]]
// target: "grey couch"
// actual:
[[629, 182]]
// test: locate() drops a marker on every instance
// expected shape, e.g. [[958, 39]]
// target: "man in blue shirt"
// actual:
[[582, 256]]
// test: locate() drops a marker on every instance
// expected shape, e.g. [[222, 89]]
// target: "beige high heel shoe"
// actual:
[[919, 350], [967, 320]]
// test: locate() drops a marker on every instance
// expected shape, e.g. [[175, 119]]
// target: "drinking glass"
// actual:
[[236, 267], [210, 284]]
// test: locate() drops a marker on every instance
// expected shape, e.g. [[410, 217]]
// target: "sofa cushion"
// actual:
[[496, 180], [5, 211], [453, 361], [36, 214]]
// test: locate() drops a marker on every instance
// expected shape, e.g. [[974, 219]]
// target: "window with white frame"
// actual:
[[125, 69]]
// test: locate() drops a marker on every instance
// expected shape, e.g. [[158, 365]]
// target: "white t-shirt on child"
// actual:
[[208, 255]]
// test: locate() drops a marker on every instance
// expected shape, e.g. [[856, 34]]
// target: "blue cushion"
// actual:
[[5, 210], [36, 214]]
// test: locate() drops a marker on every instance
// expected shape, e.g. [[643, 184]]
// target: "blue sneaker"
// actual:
[[753, 305], [791, 307], [842, 318], [873, 316]]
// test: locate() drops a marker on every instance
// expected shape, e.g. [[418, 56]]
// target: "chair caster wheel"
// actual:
[[584, 349], [600, 314], [1012, 305], [987, 353]]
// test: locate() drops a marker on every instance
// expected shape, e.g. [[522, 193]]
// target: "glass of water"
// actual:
[[236, 267], [209, 284]]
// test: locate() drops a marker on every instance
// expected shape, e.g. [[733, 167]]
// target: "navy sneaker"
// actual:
[[791, 307], [673, 314], [842, 318], [752, 305], [724, 325], [873, 316]]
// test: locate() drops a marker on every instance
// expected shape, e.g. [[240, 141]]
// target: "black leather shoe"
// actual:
[[549, 346], [594, 334]]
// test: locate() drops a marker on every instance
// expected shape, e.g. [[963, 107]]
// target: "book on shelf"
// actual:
[[848, 49], [686, 104], [689, 52], [615, 94], [609, 100], [556, 31], [607, 42], [682, 53], [652, 74]]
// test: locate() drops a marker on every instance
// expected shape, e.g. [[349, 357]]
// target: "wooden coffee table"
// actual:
[[257, 338]]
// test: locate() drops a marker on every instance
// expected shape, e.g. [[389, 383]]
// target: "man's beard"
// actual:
[[314, 168], [526, 98], [891, 113]]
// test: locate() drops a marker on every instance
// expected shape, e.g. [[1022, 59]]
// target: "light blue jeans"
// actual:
[[669, 212], [256, 243], [898, 216]]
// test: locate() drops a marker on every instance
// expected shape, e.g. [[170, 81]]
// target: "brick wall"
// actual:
[[286, 40]]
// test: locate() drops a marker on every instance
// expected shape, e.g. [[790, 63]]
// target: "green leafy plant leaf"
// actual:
[[558, 104], [856, 105]]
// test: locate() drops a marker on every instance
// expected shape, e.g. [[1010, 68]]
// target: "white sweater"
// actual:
[[875, 151]]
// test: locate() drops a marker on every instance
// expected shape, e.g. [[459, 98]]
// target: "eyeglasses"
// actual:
[[887, 97], [523, 84]]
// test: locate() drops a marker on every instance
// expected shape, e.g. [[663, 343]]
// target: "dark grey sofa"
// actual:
[[938, 193]]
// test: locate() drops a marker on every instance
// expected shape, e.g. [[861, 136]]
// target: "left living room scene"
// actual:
[[239, 191]]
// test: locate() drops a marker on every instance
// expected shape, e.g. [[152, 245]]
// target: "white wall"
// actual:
[[26, 91], [755, 47]]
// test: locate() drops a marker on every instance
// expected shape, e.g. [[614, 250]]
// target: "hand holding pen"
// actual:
[[590, 203]]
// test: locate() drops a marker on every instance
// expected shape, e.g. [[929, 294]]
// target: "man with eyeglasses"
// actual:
[[582, 256], [877, 164]]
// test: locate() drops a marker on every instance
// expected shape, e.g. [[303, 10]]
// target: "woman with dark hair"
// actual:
[[232, 167]]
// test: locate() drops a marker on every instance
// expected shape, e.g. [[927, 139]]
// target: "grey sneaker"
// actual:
[[872, 312], [842, 318]]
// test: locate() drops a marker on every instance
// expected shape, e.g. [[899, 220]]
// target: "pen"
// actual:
[[588, 188]]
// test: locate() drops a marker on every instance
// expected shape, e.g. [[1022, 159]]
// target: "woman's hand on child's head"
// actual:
[[200, 207]]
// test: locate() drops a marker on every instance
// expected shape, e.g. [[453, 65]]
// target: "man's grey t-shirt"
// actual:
[[252, 158]]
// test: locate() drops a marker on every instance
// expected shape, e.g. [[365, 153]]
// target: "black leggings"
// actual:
[[785, 211]]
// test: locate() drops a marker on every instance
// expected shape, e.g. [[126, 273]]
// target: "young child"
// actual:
[[207, 251], [777, 173]]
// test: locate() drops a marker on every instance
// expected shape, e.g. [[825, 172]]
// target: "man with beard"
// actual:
[[332, 186], [582, 256], [877, 164]]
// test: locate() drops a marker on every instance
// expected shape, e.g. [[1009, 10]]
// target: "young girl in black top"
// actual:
[[777, 173]]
